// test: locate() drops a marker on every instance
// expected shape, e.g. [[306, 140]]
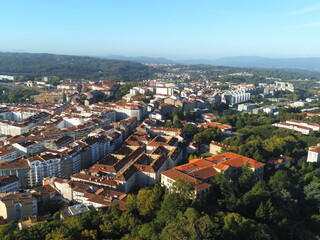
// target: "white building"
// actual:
[[164, 91], [7, 77], [41, 168], [314, 153], [9, 184], [28, 148], [235, 96], [8, 154]]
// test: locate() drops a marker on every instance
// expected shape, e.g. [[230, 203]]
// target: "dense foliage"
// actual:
[[39, 65], [16, 95]]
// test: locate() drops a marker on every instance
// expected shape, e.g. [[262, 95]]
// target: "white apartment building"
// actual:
[[41, 168], [8, 154], [28, 148], [164, 91], [235, 96], [9, 184]]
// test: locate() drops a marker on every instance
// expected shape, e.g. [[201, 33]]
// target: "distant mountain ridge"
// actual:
[[310, 64], [143, 59]]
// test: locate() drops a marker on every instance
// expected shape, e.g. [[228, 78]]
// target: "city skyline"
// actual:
[[174, 30]]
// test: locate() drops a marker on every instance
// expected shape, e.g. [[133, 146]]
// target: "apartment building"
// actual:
[[9, 184], [7, 154], [17, 205]]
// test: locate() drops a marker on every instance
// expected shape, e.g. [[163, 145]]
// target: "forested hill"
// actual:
[[33, 65]]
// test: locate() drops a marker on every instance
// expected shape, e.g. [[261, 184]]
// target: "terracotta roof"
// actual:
[[314, 149], [204, 173], [215, 124], [235, 160], [219, 144], [279, 160], [175, 175], [15, 164]]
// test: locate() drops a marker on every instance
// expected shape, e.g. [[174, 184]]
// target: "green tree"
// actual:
[[184, 189], [189, 225], [312, 192], [280, 180], [147, 201], [171, 205], [246, 178], [190, 130]]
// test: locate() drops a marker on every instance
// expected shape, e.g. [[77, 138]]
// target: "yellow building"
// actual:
[[14, 206]]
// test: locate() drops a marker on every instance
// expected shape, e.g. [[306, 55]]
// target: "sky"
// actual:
[[174, 29]]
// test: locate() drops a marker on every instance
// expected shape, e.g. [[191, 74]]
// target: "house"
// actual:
[[32, 221], [78, 209], [280, 161]]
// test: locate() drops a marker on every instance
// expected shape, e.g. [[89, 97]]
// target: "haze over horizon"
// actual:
[[205, 29]]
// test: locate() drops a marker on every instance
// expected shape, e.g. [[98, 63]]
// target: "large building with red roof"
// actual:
[[200, 171]]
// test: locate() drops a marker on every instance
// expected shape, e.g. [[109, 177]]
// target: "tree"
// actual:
[[57, 235], [147, 201], [89, 234], [129, 222], [171, 206], [226, 192], [176, 121], [246, 178], [237, 227], [280, 180], [184, 189], [252, 199], [312, 192], [131, 203], [189, 225], [190, 130], [207, 135], [149, 231], [268, 213]]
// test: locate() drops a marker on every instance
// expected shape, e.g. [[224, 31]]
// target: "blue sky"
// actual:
[[175, 29]]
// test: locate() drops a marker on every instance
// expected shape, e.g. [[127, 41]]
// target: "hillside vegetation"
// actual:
[[31, 65]]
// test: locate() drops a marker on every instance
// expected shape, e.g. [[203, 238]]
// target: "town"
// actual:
[[88, 145]]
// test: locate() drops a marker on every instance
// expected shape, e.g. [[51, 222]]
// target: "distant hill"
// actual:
[[34, 65], [310, 64], [142, 59]]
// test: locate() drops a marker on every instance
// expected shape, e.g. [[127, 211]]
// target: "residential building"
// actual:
[[17, 205], [9, 184], [7, 154], [217, 147], [280, 161], [200, 171]]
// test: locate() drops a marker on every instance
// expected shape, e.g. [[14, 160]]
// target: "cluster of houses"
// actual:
[[94, 154]]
